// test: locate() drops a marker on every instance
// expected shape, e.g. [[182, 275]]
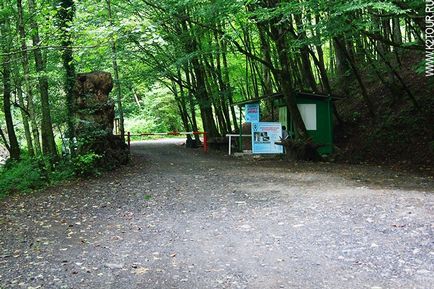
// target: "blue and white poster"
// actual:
[[264, 136], [252, 112]]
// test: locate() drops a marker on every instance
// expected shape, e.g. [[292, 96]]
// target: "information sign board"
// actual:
[[251, 112], [264, 136]]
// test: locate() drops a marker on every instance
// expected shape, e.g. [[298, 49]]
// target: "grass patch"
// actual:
[[30, 174], [22, 176], [147, 197]]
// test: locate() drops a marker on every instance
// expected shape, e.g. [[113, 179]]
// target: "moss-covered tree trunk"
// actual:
[[66, 10], [94, 119]]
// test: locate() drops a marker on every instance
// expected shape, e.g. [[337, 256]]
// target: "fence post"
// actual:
[[129, 140], [205, 142], [240, 140]]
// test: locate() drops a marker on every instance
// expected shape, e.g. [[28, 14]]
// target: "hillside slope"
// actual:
[[401, 134]]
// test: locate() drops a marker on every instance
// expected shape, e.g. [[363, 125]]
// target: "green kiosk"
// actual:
[[317, 113]]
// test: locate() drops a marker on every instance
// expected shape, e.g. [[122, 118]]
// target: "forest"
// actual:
[[181, 65]]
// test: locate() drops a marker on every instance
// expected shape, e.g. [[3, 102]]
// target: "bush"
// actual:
[[22, 176], [85, 165], [31, 174], [61, 171]]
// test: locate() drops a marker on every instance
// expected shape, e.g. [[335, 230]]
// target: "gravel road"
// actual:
[[179, 218]]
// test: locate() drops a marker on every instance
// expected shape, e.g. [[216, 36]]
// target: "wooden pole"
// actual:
[[205, 142], [129, 141], [241, 130]]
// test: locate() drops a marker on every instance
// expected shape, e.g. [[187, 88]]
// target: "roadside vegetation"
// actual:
[[181, 65], [29, 174]]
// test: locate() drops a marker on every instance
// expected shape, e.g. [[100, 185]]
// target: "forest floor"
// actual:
[[180, 218]]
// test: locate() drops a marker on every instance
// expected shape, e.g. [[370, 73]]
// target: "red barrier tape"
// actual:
[[204, 133]]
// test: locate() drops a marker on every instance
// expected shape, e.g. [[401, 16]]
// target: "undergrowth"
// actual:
[[400, 134], [30, 174]]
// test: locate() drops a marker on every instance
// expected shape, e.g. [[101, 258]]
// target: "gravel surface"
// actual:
[[179, 218]]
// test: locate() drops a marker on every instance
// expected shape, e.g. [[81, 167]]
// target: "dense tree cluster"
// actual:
[[206, 53]]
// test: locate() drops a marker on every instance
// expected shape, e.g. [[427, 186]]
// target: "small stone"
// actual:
[[245, 227], [114, 265]]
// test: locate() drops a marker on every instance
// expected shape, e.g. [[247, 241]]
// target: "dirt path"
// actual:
[[177, 218]]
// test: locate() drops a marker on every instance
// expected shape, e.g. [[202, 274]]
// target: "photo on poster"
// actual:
[[261, 137]]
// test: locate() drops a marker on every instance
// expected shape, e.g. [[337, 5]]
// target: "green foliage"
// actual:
[[158, 114], [85, 165], [22, 176], [420, 67], [356, 116], [157, 42], [62, 171], [31, 174]]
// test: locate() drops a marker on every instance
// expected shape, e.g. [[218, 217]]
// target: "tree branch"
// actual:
[[380, 38], [54, 47], [5, 142], [237, 45], [16, 104]]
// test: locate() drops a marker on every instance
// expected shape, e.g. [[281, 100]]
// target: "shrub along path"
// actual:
[[176, 218]]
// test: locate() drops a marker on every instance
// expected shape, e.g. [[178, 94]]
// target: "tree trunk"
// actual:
[[304, 55], [48, 144], [204, 100], [116, 75], [307, 69], [136, 97], [181, 105], [297, 79], [277, 35], [201, 93], [223, 86], [191, 103], [398, 77], [14, 149], [213, 92], [95, 114], [397, 35], [24, 114], [267, 88], [66, 15], [342, 66], [397, 38], [229, 88], [27, 85], [368, 101]]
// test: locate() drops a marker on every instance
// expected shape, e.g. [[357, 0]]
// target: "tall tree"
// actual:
[[65, 13], [116, 73], [48, 143], [24, 111], [27, 84], [14, 148]]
